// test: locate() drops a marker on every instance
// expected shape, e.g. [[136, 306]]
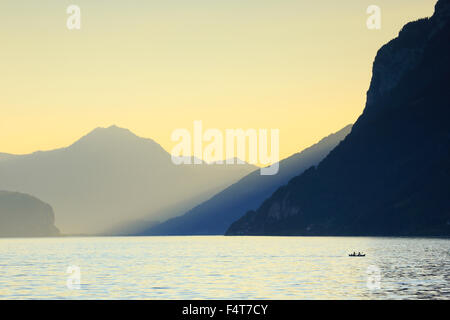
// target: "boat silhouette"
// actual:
[[357, 255]]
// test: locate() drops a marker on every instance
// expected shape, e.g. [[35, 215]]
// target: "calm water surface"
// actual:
[[226, 268]]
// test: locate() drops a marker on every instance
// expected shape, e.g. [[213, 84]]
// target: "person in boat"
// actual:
[[359, 253]]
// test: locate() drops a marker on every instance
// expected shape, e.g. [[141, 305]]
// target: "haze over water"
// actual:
[[225, 268]]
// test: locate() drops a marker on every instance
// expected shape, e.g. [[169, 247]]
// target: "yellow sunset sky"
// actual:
[[303, 67]]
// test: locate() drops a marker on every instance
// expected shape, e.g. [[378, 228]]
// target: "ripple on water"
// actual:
[[225, 268]]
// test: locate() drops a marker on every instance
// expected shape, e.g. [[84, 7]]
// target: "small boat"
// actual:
[[356, 255]]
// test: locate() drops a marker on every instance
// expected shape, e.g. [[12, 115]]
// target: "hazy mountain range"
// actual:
[[391, 174], [5, 156], [111, 178], [214, 216]]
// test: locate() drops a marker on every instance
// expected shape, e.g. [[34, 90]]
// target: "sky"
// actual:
[[302, 67]]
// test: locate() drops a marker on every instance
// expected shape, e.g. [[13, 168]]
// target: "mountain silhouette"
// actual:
[[391, 175], [111, 176], [22, 215], [4, 156], [215, 215]]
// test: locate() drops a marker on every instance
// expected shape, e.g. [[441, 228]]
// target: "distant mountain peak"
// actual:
[[113, 135], [113, 129], [5, 155], [111, 176]]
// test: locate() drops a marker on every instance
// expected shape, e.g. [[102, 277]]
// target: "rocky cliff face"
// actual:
[[391, 175], [22, 215], [401, 55]]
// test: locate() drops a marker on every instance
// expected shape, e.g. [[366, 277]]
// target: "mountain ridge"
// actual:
[[215, 215], [390, 175], [110, 176]]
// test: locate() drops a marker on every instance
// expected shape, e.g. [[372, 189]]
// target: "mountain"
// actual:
[[391, 175], [215, 215], [110, 177], [22, 215], [5, 156]]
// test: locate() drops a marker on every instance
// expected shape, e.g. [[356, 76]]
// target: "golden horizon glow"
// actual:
[[155, 66]]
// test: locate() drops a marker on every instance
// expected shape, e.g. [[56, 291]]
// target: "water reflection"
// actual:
[[225, 268]]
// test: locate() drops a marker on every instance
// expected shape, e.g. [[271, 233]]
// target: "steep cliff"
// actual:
[[391, 175], [22, 215]]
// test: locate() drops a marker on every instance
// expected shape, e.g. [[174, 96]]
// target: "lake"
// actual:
[[224, 268]]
